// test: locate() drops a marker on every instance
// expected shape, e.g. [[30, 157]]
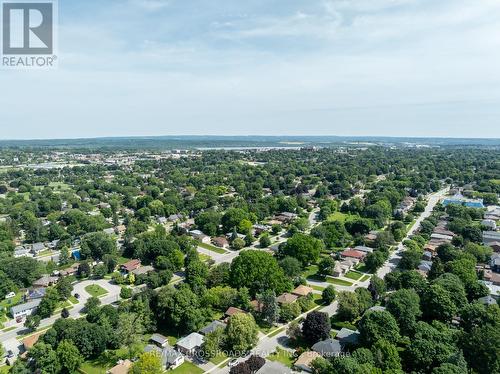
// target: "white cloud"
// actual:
[[339, 67]]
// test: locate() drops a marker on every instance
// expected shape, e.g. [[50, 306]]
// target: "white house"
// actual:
[[25, 309], [190, 344]]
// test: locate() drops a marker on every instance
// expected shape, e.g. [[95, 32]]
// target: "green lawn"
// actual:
[[338, 282], [73, 299], [283, 356], [90, 367], [187, 368], [204, 257], [276, 332], [310, 271], [219, 358], [95, 290], [365, 278], [338, 324], [212, 248], [353, 275], [7, 303], [362, 268], [317, 288], [337, 216]]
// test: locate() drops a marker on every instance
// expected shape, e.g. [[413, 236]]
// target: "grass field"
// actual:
[[219, 358], [310, 271], [276, 332], [7, 303], [187, 368], [212, 248], [317, 288], [90, 367], [353, 275], [362, 268], [338, 282], [283, 356], [95, 290], [337, 216]]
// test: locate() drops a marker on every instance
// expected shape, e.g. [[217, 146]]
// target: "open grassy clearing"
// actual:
[[95, 290], [212, 248], [283, 356], [338, 282], [353, 275]]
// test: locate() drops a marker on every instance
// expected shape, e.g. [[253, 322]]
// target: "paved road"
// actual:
[[75, 312], [395, 256], [268, 345]]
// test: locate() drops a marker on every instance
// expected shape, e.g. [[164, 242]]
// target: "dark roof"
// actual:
[[159, 338], [328, 348], [212, 326], [346, 336]]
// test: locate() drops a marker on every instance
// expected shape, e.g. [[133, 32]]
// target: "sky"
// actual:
[[267, 67]]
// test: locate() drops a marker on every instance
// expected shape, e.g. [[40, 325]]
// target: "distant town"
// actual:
[[250, 256]]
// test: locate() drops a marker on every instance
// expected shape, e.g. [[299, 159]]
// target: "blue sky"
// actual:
[[287, 67]]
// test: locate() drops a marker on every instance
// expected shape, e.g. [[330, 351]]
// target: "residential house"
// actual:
[[286, 298], [427, 256], [487, 300], [376, 308], [120, 229], [211, 327], [175, 217], [347, 337], [363, 248], [493, 289], [490, 224], [72, 270], [425, 267], [21, 252], [273, 367], [445, 238], [231, 311], [221, 242], [190, 344], [162, 220], [53, 244], [45, 281], [328, 348], [122, 367], [495, 262], [25, 309], [304, 361], [495, 246], [36, 293], [36, 248], [130, 266], [491, 237], [143, 270], [259, 229], [371, 236], [109, 231], [350, 253], [198, 235], [302, 290], [170, 358], [159, 340]]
